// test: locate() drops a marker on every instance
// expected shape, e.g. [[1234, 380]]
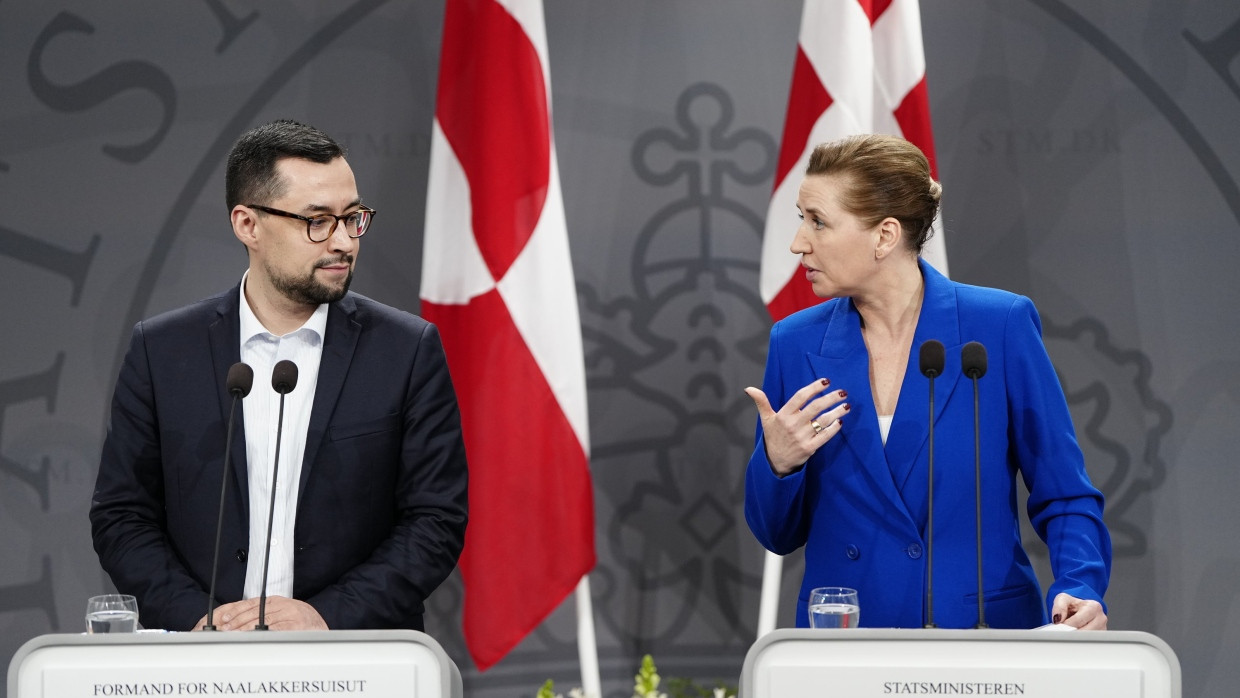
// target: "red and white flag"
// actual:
[[859, 68], [497, 280]]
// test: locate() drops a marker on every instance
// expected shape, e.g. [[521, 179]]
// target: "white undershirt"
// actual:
[[884, 425], [262, 350]]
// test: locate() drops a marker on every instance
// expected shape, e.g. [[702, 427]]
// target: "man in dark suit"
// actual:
[[370, 496]]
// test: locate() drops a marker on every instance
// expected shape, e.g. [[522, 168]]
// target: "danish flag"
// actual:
[[497, 280], [859, 68]]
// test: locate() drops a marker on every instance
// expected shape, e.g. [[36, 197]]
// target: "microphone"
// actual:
[[932, 357], [240, 380], [973, 364], [283, 380]]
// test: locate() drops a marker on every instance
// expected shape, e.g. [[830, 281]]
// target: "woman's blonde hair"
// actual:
[[885, 176]]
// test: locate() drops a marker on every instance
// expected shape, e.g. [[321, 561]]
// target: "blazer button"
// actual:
[[914, 551], [241, 555], [852, 552]]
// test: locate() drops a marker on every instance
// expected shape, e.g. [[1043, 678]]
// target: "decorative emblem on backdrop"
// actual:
[[666, 364], [48, 469], [1120, 422]]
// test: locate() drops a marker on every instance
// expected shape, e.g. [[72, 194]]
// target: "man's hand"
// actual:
[[282, 613]]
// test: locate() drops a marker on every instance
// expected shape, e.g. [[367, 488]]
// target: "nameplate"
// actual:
[[341, 664], [868, 663], [1046, 682]]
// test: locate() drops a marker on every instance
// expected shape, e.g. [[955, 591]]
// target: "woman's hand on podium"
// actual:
[[282, 613], [1081, 614]]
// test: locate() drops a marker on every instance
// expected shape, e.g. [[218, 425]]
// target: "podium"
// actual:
[[864, 662], [336, 663]]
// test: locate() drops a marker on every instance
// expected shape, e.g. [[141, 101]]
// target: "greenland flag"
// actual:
[[859, 68], [498, 282]]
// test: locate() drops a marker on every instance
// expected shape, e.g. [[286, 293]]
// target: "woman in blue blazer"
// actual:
[[841, 460]]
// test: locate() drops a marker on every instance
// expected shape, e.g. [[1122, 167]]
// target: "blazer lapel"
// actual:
[[225, 339], [910, 429], [339, 342], [844, 360]]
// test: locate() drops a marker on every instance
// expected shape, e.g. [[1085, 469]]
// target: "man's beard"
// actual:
[[309, 290]]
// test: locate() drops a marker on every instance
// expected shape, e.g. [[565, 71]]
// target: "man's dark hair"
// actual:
[[251, 176]]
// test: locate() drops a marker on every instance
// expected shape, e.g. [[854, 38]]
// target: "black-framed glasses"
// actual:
[[321, 227]]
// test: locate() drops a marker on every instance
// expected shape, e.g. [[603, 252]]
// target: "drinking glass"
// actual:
[[833, 607], [111, 613]]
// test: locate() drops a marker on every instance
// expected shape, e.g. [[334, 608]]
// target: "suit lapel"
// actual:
[[910, 429], [339, 342], [225, 339], [843, 359]]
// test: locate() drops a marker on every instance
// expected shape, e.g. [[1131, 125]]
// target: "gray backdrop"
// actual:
[[1089, 153]]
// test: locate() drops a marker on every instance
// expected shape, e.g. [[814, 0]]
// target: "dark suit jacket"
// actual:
[[860, 508], [381, 507]]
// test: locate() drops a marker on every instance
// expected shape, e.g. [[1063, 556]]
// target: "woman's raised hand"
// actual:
[[807, 421]]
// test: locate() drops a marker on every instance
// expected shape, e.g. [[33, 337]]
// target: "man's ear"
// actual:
[[245, 225]]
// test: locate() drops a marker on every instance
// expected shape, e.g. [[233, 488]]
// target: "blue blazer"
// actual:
[[381, 507], [860, 509]]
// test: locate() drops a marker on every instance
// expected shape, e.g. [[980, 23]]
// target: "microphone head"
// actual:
[[932, 357], [973, 360], [284, 377], [240, 379]]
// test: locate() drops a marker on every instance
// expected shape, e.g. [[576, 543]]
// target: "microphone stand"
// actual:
[[931, 363], [271, 518], [973, 361], [283, 379], [977, 484], [240, 380], [930, 517]]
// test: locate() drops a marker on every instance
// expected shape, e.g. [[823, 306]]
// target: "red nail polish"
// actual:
[[847, 408], [825, 382], [1056, 619], [843, 394]]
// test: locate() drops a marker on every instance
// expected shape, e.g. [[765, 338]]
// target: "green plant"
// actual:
[[687, 688], [547, 690], [646, 685]]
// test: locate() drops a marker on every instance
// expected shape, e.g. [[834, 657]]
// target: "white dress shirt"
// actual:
[[262, 350]]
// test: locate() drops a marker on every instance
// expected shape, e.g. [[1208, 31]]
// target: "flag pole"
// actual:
[[768, 606], [587, 643]]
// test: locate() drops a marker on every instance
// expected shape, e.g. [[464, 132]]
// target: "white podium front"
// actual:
[[866, 662], [367, 663]]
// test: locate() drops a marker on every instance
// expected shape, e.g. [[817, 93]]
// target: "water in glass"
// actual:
[[834, 615], [111, 622], [833, 607]]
